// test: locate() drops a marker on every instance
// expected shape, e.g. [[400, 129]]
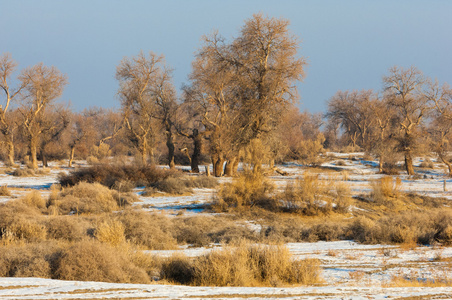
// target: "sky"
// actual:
[[348, 44]]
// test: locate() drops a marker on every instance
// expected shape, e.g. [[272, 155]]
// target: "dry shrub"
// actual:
[[204, 230], [110, 174], [110, 232], [151, 231], [68, 228], [180, 185], [247, 190], [242, 265], [427, 163], [19, 221], [390, 169], [4, 191], [178, 269], [308, 196], [385, 188], [29, 260], [93, 261], [173, 185], [24, 172], [407, 228], [34, 199], [85, 198]]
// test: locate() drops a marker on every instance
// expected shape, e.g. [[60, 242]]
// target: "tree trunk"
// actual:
[[197, 144], [10, 145], [71, 156], [229, 167], [170, 146], [218, 169], [33, 152], [380, 164], [409, 163]]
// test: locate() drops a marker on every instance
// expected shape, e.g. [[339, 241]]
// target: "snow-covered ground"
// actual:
[[349, 270]]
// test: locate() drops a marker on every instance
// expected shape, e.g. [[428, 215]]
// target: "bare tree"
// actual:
[[405, 91], [137, 77], [441, 125], [42, 85], [164, 95], [243, 86], [352, 110], [7, 68]]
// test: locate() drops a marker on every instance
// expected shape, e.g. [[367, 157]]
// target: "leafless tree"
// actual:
[[243, 86], [137, 78], [441, 125], [405, 91], [7, 68], [352, 110], [42, 85]]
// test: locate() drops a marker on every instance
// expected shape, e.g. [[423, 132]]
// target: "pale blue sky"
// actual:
[[348, 44]]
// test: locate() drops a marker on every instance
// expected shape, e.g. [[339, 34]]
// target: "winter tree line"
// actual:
[[239, 105]]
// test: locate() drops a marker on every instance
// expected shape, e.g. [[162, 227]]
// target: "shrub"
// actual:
[[248, 189], [427, 163], [34, 199], [85, 198], [151, 231], [23, 172], [67, 228], [242, 265], [111, 174], [173, 185], [4, 191], [92, 261], [29, 260], [111, 232], [308, 196], [385, 188]]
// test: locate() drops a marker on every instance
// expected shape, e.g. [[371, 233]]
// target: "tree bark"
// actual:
[[409, 163], [197, 144], [71, 156], [10, 145], [170, 146], [218, 169], [229, 167], [33, 152], [380, 165]]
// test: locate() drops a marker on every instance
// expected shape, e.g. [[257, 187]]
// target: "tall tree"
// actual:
[[255, 79], [137, 77], [42, 85], [7, 68], [405, 92]]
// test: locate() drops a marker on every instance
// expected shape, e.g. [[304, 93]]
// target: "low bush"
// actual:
[[29, 260], [110, 232], [4, 191], [85, 198], [23, 172], [69, 228], [242, 265], [111, 175], [93, 261], [247, 190], [151, 231]]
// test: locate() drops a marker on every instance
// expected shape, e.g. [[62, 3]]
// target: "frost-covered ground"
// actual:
[[349, 270]]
